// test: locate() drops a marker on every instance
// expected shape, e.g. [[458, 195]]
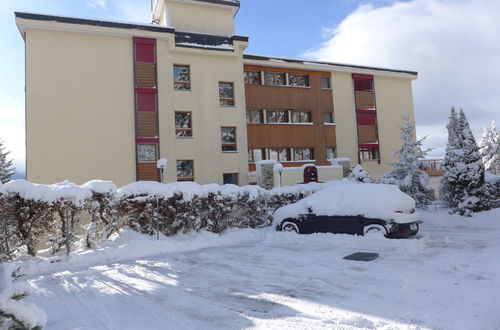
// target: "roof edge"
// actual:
[[93, 22], [343, 65]]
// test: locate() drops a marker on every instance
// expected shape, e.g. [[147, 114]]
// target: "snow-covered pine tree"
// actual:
[[360, 175], [450, 160], [489, 148], [6, 169], [464, 170], [406, 173]]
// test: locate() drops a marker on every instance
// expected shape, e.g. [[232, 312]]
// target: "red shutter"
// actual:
[[366, 117], [144, 50], [363, 84], [147, 140], [146, 99], [371, 145]]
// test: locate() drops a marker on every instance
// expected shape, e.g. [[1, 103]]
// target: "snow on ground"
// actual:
[[445, 278]]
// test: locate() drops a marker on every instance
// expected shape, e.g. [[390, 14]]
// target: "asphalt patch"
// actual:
[[362, 256]]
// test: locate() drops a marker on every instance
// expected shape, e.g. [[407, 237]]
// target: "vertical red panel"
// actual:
[[144, 53], [146, 101], [366, 118], [363, 84]]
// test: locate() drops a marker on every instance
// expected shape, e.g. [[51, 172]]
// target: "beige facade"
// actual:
[[80, 106]]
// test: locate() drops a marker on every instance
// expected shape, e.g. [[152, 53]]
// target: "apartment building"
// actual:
[[105, 100]]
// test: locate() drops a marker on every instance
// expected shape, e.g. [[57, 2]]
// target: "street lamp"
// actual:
[[278, 167]]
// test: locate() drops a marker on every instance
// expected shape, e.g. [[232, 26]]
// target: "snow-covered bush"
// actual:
[[16, 314], [104, 220], [463, 187], [360, 175], [406, 173]]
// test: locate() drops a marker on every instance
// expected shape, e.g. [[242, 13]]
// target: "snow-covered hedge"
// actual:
[[493, 188], [187, 206], [32, 214]]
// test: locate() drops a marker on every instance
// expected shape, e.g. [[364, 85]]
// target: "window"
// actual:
[[325, 83], [280, 155], [146, 153], [301, 117], [182, 79], [328, 117], [275, 79], [255, 155], [298, 80], [300, 154], [183, 125], [330, 153], [226, 93], [277, 116], [252, 77], [230, 178], [228, 138], [368, 153], [185, 170], [255, 117]]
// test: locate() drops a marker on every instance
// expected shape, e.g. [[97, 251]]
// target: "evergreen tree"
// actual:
[[450, 160], [464, 170], [406, 173], [6, 169], [489, 148]]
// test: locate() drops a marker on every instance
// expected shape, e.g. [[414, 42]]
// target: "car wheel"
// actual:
[[289, 227], [374, 230]]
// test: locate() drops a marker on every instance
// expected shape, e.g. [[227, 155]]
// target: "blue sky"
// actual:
[[453, 44]]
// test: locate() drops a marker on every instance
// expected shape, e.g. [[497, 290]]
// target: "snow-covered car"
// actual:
[[348, 208]]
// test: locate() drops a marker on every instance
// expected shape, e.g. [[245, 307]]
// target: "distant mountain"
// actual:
[[19, 175]]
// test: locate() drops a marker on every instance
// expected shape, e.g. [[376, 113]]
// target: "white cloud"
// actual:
[[98, 4], [453, 44]]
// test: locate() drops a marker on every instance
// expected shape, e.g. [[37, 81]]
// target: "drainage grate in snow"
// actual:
[[362, 256]]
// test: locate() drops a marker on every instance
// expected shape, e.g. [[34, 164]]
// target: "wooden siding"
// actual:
[[367, 134], [312, 98], [147, 172], [365, 100], [145, 75], [146, 124]]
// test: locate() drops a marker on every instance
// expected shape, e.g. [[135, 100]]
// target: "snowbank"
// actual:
[[49, 193], [101, 187], [28, 313], [370, 200]]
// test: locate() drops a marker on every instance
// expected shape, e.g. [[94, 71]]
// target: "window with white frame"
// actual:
[[330, 153], [300, 154], [226, 93], [275, 79], [255, 117], [328, 117], [255, 155], [252, 78], [298, 80], [301, 116], [185, 170], [182, 78], [183, 125], [277, 116], [228, 138], [368, 153], [326, 83], [146, 153]]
